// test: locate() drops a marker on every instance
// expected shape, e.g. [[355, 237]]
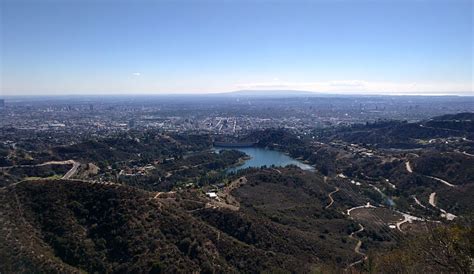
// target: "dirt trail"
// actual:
[[444, 213], [279, 172], [418, 202], [359, 242], [330, 198], [468, 154], [368, 205], [442, 181], [431, 200], [357, 248], [410, 170], [406, 218], [166, 193]]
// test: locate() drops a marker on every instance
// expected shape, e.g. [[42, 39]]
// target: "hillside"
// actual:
[[71, 226], [101, 205]]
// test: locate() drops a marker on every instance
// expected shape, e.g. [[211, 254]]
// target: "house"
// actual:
[[212, 195]]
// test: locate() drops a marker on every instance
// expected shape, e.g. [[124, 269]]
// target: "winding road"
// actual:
[[444, 213], [468, 154], [410, 170], [66, 162], [441, 180], [406, 218], [330, 197], [67, 176], [432, 197], [357, 247], [368, 205], [359, 242], [72, 171], [418, 202]]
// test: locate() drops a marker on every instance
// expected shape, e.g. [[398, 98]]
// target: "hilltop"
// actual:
[[73, 226]]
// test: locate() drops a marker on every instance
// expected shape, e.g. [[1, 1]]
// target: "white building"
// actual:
[[212, 195]]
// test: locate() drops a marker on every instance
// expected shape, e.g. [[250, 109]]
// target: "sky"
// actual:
[[61, 47]]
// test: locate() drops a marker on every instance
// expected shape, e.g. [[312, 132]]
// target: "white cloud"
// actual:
[[136, 74]]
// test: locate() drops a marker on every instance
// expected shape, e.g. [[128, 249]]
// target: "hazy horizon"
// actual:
[[267, 93], [162, 47]]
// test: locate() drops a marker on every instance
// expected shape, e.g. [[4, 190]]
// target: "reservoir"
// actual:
[[265, 157]]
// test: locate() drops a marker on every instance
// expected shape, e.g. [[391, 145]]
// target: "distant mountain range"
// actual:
[[237, 93], [271, 93]]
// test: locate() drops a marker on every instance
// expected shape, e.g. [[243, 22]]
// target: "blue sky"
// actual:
[[117, 47]]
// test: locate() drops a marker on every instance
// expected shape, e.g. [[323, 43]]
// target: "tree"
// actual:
[[441, 249]]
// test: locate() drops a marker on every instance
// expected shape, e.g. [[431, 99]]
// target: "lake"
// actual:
[[265, 157]]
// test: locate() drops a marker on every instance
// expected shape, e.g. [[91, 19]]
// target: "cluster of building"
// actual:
[[219, 115]]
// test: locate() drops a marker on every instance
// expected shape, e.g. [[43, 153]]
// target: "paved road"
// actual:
[[67, 162], [66, 176], [72, 171]]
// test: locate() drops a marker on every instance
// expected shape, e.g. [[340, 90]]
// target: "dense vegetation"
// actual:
[[12, 175], [439, 250], [137, 203], [104, 228], [200, 169]]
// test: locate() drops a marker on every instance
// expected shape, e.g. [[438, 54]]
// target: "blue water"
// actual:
[[266, 157]]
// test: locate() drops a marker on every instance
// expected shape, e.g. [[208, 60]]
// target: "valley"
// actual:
[[163, 202]]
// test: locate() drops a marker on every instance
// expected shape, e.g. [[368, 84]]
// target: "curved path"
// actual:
[[406, 218], [67, 176], [357, 248], [444, 213], [330, 197], [66, 162], [278, 171], [418, 202], [368, 205], [410, 170], [431, 200], [72, 171], [359, 242], [441, 180], [468, 154]]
